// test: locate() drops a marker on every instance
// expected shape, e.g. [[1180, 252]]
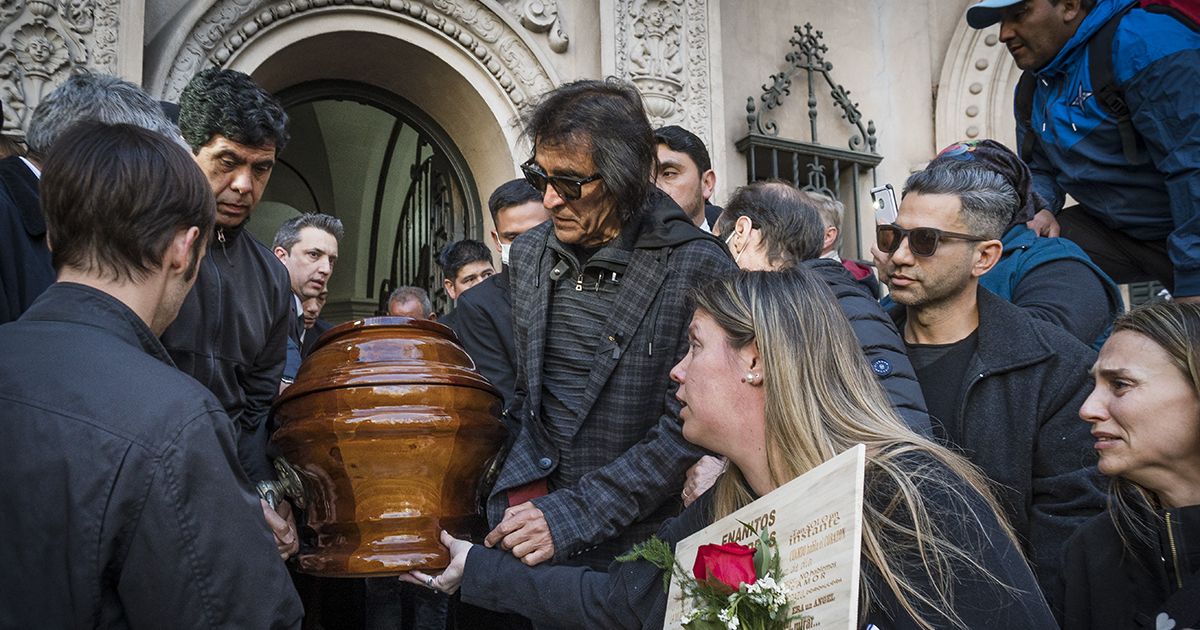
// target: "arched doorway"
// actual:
[[468, 73], [385, 168]]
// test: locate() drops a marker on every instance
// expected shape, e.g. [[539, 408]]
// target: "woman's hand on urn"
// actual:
[[450, 579]]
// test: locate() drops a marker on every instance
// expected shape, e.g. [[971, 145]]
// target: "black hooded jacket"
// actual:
[[231, 335]]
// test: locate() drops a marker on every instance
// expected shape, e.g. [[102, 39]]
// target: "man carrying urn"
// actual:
[[232, 330], [598, 460]]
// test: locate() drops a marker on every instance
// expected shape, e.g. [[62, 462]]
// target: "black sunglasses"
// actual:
[[922, 241], [569, 188]]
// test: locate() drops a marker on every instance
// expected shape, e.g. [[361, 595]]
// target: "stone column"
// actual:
[[668, 48], [43, 41]]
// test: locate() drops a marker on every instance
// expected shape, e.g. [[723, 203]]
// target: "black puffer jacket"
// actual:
[[880, 341], [231, 335]]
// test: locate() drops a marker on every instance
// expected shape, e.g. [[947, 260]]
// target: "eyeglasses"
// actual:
[[922, 241], [569, 188]]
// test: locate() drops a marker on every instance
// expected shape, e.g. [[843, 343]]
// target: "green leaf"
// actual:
[[657, 552]]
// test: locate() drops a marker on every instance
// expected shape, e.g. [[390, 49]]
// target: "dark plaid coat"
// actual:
[[629, 408]]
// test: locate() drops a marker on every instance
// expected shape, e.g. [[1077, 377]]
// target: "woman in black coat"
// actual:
[[773, 381], [1138, 564]]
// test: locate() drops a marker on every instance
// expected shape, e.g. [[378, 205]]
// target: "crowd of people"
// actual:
[[1032, 450]]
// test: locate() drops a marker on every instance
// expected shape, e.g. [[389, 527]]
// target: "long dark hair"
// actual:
[[607, 116]]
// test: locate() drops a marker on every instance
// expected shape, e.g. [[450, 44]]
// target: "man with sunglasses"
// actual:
[[1002, 387], [600, 316]]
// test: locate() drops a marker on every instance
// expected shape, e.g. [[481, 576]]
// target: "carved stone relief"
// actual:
[[541, 16], [229, 25], [975, 92], [43, 41], [662, 46]]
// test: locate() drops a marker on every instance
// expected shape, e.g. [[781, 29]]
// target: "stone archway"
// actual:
[[463, 64], [475, 29], [975, 91]]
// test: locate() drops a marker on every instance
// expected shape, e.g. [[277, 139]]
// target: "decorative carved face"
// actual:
[[40, 49]]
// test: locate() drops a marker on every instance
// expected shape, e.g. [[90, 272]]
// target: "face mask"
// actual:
[[504, 247], [727, 244]]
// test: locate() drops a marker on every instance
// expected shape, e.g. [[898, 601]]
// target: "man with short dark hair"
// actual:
[[125, 505], [464, 264], [308, 246], [1002, 387], [411, 302], [599, 298], [313, 322], [25, 269], [684, 172], [232, 331], [1108, 112], [483, 316]]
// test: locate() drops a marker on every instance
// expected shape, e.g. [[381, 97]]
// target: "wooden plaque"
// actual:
[[817, 521]]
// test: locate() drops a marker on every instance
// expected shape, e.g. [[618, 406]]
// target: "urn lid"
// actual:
[[378, 351]]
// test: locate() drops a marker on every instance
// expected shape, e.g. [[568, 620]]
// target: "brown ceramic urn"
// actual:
[[389, 428]]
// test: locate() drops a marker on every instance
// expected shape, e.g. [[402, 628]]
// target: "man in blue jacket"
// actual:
[[1138, 212], [124, 503]]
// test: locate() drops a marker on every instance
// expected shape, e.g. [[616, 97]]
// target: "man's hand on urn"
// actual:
[[283, 526], [525, 533]]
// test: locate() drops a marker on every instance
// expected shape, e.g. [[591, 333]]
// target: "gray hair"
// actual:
[[406, 294], [988, 200], [786, 217], [288, 234], [99, 97], [831, 210]]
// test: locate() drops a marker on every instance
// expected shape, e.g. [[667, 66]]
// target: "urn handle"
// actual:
[[289, 485]]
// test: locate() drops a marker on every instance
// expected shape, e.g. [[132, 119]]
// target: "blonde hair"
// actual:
[[821, 399], [1174, 327]]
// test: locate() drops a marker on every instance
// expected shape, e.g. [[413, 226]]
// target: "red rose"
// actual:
[[731, 564]]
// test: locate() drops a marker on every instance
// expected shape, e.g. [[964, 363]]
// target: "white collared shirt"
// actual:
[[37, 172]]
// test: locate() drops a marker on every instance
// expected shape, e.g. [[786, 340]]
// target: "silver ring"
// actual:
[[429, 581]]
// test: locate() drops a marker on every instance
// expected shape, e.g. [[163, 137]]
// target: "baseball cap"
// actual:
[[988, 12]]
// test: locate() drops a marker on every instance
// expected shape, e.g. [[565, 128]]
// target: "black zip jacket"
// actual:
[[231, 335], [123, 504], [1107, 584]]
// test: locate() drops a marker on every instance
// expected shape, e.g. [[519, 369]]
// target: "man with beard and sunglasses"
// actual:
[[600, 317], [1002, 387]]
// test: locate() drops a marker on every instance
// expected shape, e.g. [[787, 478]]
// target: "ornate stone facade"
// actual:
[[541, 16], [42, 41], [229, 25], [976, 87], [663, 47]]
